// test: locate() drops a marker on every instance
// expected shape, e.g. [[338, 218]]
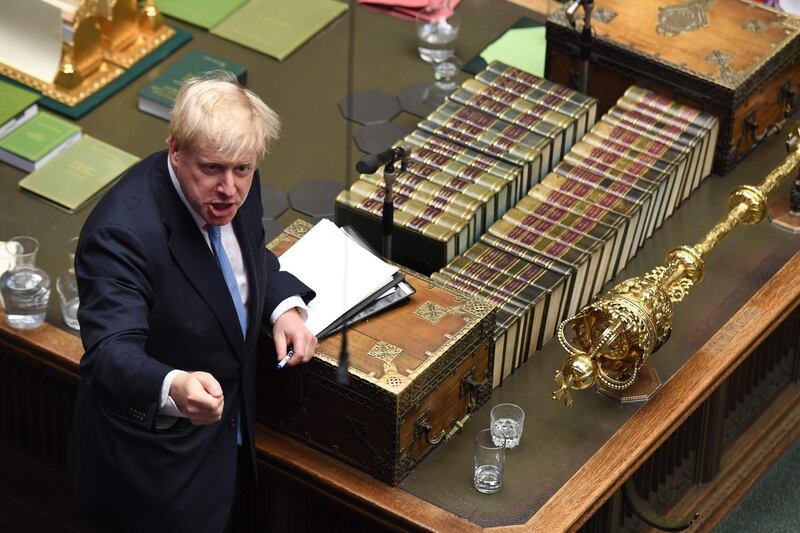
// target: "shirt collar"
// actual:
[[174, 178]]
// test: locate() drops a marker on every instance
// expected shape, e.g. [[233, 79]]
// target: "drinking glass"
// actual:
[[444, 74], [489, 461], [507, 421], [437, 30], [67, 288], [25, 288]]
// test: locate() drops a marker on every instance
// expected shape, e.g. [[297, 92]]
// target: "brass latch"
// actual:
[[423, 426], [456, 427], [476, 390], [750, 127]]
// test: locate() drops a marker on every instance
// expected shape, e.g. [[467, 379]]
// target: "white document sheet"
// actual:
[[31, 37], [339, 270]]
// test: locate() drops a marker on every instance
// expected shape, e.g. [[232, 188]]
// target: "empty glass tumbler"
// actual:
[[489, 461], [25, 287]]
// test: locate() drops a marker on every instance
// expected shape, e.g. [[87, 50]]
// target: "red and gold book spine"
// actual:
[[495, 130], [358, 202], [483, 94], [665, 105], [418, 188], [419, 211], [466, 186], [462, 154], [562, 248]]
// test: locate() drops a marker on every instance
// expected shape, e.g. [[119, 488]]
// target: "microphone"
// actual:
[[370, 163]]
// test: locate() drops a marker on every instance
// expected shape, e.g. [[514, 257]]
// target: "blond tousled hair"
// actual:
[[214, 110]]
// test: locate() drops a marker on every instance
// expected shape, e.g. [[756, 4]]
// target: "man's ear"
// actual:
[[174, 151]]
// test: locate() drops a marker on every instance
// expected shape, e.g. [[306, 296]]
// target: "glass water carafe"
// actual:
[[67, 288], [25, 287], [437, 30]]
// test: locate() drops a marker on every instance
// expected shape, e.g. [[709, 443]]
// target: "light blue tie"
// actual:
[[233, 288]]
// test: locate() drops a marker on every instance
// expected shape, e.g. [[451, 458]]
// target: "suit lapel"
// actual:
[[195, 259]]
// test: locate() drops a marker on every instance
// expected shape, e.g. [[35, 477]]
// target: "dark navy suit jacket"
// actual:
[[153, 299]]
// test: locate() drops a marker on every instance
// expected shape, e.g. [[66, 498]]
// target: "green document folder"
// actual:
[[39, 136], [158, 97], [278, 27], [203, 13], [78, 174], [14, 100]]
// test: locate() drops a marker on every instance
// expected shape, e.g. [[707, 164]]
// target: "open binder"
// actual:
[[351, 282]]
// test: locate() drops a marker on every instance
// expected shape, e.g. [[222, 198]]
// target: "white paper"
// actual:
[[31, 37], [339, 270]]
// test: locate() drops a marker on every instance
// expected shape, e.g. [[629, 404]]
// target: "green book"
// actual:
[[38, 140], [158, 97], [78, 174], [17, 106], [203, 13], [278, 27]]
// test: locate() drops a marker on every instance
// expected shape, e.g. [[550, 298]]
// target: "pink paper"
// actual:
[[405, 9]]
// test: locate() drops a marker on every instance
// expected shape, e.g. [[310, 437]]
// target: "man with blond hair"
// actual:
[[174, 282]]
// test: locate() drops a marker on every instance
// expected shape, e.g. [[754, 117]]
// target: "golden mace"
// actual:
[[613, 336]]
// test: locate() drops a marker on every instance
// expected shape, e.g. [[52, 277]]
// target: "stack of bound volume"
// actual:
[[472, 159], [573, 231]]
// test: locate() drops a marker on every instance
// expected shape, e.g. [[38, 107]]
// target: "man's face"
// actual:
[[214, 185]]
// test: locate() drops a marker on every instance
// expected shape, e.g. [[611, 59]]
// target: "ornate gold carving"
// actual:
[[722, 60], [604, 14], [298, 228], [384, 351], [612, 337], [680, 18], [787, 22], [393, 380], [431, 311]]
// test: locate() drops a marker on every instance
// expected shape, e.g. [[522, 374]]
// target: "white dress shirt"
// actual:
[[167, 407]]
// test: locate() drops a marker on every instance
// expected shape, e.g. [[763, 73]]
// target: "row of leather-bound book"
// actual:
[[514, 193]]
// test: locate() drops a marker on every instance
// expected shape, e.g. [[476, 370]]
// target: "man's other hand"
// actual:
[[198, 396], [291, 330]]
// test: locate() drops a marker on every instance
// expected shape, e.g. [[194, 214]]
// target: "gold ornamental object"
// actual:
[[99, 40], [610, 339]]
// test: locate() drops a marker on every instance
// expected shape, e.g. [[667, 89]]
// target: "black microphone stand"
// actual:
[[585, 39], [388, 208]]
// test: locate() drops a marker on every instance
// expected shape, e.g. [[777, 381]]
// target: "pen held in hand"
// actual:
[[285, 360]]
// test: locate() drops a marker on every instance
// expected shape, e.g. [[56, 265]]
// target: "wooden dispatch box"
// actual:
[[417, 371], [735, 59]]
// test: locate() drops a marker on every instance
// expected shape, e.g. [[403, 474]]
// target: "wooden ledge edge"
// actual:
[[354, 487], [49, 344]]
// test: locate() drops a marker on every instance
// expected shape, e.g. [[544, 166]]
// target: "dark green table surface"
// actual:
[[304, 90]]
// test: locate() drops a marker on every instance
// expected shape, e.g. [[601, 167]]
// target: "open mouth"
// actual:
[[221, 209]]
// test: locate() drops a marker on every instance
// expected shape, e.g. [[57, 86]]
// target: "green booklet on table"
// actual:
[[17, 106], [38, 140], [78, 174], [278, 27], [158, 97], [203, 13]]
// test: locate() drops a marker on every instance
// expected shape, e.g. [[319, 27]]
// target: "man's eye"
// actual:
[[211, 167]]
